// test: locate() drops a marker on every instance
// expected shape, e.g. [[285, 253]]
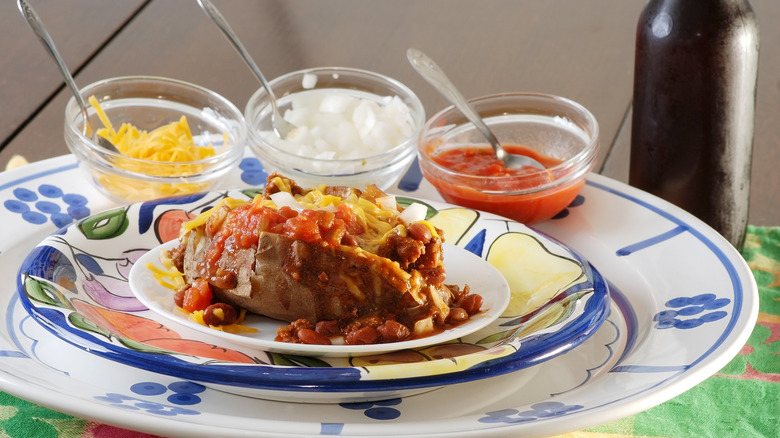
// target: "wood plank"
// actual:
[[28, 76], [486, 47]]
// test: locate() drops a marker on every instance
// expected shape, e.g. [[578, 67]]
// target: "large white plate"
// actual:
[[459, 264], [655, 256]]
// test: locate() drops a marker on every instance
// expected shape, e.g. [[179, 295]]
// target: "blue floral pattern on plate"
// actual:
[[691, 312], [47, 202]]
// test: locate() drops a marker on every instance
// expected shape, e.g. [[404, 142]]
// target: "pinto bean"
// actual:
[[362, 336], [457, 314], [393, 331], [224, 279], [328, 328], [420, 232], [309, 336], [220, 314], [471, 303], [178, 298], [349, 240]]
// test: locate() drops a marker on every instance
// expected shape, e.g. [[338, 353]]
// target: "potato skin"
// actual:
[[317, 263], [293, 279]]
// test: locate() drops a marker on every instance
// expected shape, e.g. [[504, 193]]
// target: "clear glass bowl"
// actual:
[[148, 103], [551, 126], [383, 169]]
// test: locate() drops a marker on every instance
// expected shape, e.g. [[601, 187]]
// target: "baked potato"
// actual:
[[332, 261]]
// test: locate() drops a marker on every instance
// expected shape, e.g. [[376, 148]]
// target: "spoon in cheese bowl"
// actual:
[[281, 126], [432, 73], [37, 26]]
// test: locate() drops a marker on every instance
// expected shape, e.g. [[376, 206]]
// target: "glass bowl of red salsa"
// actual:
[[558, 132]]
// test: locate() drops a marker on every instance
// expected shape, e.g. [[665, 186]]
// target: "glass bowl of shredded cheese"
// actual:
[[172, 138], [352, 127]]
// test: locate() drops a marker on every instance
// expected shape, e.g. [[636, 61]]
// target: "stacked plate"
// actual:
[[670, 304], [540, 300]]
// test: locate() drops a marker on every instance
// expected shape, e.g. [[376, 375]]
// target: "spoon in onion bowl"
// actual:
[[281, 126]]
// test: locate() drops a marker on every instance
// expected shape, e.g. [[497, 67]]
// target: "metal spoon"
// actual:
[[37, 26], [281, 126], [436, 77]]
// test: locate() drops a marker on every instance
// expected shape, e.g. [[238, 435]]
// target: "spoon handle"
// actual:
[[281, 126], [432, 73], [37, 26], [223, 25]]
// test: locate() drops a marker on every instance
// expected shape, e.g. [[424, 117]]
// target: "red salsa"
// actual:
[[481, 161]]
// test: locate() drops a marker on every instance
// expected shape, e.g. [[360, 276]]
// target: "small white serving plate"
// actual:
[[462, 268]]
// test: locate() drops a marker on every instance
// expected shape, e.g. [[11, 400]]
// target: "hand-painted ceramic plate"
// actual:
[[75, 283], [459, 264], [662, 265]]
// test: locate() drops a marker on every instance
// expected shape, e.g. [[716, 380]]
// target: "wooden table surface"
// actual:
[[581, 50]]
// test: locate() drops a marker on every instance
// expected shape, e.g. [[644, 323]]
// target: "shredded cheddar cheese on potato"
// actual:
[[171, 145], [170, 277], [378, 220], [235, 328], [203, 217]]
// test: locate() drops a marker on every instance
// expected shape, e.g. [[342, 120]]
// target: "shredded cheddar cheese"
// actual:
[[235, 328], [378, 221], [171, 145], [170, 277], [203, 217]]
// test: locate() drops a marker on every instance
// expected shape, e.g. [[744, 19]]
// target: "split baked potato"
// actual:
[[332, 261]]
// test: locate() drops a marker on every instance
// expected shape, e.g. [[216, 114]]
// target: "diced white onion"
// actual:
[[413, 213], [309, 81], [387, 202], [336, 124], [285, 199]]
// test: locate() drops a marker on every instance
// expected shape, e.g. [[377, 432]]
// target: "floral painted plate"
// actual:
[[458, 262], [75, 284]]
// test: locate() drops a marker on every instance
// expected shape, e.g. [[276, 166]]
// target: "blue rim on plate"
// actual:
[[53, 277]]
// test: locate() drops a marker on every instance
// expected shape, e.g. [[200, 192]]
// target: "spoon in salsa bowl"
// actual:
[[432, 73]]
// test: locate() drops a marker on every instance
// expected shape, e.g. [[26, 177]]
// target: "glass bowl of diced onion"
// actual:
[[172, 138], [351, 127]]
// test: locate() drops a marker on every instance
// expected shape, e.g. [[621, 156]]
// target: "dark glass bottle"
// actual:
[[695, 77]]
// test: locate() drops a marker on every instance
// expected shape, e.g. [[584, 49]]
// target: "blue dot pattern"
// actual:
[[25, 195], [537, 411], [378, 410], [47, 203], [149, 388], [578, 200], [691, 312], [252, 171], [178, 394]]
